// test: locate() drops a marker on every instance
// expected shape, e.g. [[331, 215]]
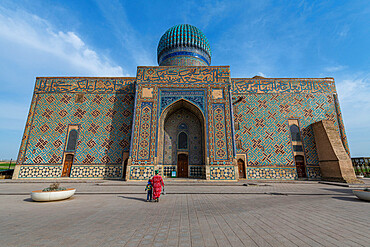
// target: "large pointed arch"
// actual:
[[167, 112]]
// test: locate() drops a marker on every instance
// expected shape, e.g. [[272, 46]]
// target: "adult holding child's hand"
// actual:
[[157, 186]]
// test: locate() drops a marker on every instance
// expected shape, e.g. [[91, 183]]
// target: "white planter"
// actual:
[[46, 196], [363, 195]]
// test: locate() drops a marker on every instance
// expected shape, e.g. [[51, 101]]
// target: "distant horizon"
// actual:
[[112, 38]]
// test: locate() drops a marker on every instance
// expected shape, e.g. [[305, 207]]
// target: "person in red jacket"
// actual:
[[157, 183]]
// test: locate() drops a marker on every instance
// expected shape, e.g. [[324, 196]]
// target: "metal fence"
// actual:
[[361, 166]]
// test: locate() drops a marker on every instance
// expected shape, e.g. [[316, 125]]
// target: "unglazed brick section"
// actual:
[[264, 130], [202, 74], [84, 85], [105, 128], [341, 124], [246, 85]]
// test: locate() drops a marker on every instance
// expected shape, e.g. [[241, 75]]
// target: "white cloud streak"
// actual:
[[25, 31], [355, 104]]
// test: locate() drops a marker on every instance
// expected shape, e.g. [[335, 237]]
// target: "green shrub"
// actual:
[[54, 187]]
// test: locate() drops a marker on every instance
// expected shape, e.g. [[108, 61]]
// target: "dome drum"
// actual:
[[198, 56]]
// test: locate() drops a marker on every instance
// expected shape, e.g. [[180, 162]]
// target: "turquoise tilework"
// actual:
[[144, 142], [220, 143], [222, 172], [105, 128], [272, 173], [313, 172], [141, 172], [264, 132]]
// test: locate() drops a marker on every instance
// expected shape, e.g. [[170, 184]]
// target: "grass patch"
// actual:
[[5, 166]]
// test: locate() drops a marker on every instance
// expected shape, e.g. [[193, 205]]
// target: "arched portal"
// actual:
[[181, 134]]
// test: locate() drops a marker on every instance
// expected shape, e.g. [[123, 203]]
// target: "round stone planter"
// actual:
[[46, 196], [361, 194]]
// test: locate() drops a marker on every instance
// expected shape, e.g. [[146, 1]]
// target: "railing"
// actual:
[[361, 165]]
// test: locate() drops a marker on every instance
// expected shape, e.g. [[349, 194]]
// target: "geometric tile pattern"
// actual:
[[263, 125], [313, 172], [174, 84], [222, 172], [40, 171], [27, 129], [104, 115], [145, 131], [219, 132], [167, 170], [92, 171], [197, 171], [105, 128], [271, 173], [141, 172], [193, 128]]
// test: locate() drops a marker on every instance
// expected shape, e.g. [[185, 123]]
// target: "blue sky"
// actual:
[[112, 38]]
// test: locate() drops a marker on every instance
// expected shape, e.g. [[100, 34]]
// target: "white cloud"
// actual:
[[262, 74], [335, 68], [355, 105], [28, 36], [29, 47]]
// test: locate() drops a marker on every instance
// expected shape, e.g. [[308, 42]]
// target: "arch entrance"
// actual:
[[181, 141]]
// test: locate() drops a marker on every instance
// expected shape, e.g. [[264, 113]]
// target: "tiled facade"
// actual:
[[109, 113], [130, 127]]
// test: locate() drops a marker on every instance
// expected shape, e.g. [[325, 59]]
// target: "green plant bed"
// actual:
[[5, 166]]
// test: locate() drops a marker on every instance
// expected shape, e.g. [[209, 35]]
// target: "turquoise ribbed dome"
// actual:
[[184, 36]]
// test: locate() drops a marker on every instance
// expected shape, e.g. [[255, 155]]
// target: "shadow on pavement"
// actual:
[[133, 198], [344, 191], [28, 200], [350, 199]]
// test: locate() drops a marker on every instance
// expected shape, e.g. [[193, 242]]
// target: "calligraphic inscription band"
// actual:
[[283, 85], [84, 85]]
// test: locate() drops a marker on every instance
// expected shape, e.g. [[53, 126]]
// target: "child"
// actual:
[[149, 189]]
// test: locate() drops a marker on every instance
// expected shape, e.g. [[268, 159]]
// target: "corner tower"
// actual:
[[184, 45]]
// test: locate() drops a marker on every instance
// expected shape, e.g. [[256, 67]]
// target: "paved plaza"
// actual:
[[114, 213]]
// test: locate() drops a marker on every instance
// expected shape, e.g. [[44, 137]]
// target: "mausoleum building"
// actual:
[[184, 118]]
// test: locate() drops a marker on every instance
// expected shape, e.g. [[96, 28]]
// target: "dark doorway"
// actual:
[[182, 166], [301, 168], [241, 167], [67, 165], [124, 169]]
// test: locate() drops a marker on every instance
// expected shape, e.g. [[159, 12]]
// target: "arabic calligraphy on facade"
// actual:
[[283, 86], [183, 75], [85, 85]]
